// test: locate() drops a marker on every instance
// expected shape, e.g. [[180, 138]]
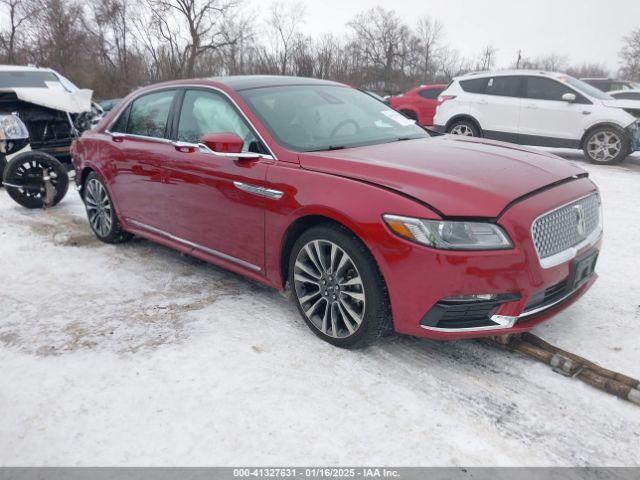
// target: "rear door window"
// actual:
[[503, 86], [431, 93], [474, 85], [149, 114]]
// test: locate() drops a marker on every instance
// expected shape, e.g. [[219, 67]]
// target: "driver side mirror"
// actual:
[[227, 145], [223, 142], [569, 97]]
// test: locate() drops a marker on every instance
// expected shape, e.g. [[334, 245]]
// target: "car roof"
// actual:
[[247, 82], [500, 73], [23, 68]]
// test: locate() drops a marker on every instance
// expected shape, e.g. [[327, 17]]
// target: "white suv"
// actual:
[[543, 109]]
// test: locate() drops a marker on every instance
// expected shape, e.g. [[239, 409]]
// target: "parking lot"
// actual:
[[137, 355]]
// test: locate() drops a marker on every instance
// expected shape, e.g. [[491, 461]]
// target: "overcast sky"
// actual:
[[584, 30]]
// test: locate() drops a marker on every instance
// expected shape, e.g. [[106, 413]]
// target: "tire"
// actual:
[[606, 145], [463, 127], [351, 309], [27, 169], [3, 165], [101, 213]]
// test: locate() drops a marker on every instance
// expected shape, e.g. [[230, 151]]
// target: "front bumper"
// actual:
[[414, 292]]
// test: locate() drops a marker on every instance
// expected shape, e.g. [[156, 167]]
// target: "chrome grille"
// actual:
[[567, 226]]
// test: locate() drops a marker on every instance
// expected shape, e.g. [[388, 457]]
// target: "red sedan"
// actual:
[[419, 104], [372, 223]]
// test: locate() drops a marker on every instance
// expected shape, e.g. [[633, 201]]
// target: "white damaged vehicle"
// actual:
[[41, 113]]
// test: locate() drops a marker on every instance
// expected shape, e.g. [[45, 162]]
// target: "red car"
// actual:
[[419, 104], [372, 223]]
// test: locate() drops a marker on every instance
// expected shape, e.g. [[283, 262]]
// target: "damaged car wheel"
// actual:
[[36, 180]]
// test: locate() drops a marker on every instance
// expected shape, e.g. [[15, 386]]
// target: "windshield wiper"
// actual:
[[326, 149]]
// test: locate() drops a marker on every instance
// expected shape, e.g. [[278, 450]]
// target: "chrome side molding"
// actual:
[[195, 246], [261, 191]]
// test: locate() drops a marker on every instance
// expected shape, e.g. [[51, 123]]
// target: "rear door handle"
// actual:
[[532, 106]]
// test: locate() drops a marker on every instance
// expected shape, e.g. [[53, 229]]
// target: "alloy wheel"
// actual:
[[462, 129], [329, 288], [604, 146], [99, 207]]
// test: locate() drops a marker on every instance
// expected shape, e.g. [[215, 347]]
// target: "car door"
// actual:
[[546, 118], [214, 201], [141, 147], [499, 108]]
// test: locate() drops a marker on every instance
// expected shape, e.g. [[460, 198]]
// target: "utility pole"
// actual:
[[519, 58]]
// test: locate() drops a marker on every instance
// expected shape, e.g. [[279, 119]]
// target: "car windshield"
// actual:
[[32, 79], [324, 117], [586, 88]]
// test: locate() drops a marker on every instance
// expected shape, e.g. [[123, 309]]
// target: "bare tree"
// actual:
[[10, 40], [118, 57], [58, 37], [429, 34], [630, 56], [284, 21], [487, 58], [179, 32], [378, 37]]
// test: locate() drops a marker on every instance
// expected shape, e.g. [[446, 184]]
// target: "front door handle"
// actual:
[[185, 147], [117, 137], [532, 106]]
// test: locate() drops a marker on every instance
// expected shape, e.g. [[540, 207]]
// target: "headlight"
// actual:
[[12, 128], [450, 235]]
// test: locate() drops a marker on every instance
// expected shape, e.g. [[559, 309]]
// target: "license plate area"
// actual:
[[583, 269]]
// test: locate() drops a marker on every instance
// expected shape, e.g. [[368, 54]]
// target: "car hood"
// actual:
[[55, 98], [456, 176], [622, 103]]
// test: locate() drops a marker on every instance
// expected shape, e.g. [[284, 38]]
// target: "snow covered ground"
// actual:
[[137, 355]]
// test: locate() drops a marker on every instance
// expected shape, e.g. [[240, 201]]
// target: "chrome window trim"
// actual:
[[570, 252], [139, 137], [187, 86], [196, 246], [204, 149]]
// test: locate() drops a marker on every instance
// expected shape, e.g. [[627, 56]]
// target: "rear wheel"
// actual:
[[100, 211], [338, 288], [3, 165], [606, 145], [465, 128], [36, 179]]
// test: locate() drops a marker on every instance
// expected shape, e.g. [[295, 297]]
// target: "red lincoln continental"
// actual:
[[372, 223]]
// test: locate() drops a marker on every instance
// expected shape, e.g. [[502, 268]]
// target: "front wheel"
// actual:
[[338, 287], [36, 179], [606, 145], [464, 128]]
